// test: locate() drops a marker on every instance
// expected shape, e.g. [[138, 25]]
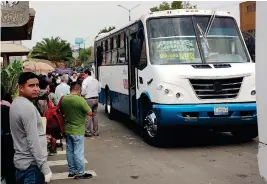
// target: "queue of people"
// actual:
[[74, 98]]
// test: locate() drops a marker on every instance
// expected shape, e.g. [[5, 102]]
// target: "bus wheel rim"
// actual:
[[108, 105], [152, 124]]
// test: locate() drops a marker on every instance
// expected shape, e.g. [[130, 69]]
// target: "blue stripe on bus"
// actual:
[[204, 114], [171, 115], [120, 101]]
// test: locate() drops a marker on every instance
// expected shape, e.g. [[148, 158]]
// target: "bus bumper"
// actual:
[[204, 114]]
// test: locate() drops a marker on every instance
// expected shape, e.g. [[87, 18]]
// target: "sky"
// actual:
[[84, 19]]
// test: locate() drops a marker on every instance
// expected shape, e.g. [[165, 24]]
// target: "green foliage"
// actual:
[[9, 77], [53, 49], [177, 5], [85, 55], [174, 5], [105, 30]]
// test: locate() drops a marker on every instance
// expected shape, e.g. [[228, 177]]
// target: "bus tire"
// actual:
[[151, 131], [245, 134], [108, 107]]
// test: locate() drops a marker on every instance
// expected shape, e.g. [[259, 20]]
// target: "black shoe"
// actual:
[[53, 151], [96, 134], [88, 135], [71, 175], [84, 176]]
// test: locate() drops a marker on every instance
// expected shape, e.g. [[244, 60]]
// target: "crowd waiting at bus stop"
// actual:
[[49, 108]]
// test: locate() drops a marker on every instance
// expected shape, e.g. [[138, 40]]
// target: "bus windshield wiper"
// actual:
[[211, 20], [205, 34]]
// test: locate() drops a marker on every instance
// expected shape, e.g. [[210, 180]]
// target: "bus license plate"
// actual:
[[220, 111]]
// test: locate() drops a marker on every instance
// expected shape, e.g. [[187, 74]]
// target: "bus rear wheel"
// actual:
[[151, 131], [245, 134], [108, 107]]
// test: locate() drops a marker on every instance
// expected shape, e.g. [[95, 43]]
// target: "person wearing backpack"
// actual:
[[43, 103]]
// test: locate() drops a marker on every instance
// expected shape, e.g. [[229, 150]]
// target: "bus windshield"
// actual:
[[173, 40]]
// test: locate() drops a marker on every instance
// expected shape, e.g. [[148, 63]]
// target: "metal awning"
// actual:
[[13, 49]]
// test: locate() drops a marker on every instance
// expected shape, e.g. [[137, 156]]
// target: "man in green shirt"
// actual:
[[75, 111]]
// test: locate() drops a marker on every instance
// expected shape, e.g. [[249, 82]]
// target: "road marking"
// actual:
[[61, 162], [61, 152], [64, 175], [63, 142], [130, 138]]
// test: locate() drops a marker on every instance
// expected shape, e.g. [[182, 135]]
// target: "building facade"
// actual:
[[17, 21], [248, 16]]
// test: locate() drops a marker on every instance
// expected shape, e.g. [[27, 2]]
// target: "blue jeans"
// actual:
[[75, 153], [32, 175]]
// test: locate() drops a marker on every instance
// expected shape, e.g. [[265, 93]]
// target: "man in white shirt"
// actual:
[[90, 90], [63, 88]]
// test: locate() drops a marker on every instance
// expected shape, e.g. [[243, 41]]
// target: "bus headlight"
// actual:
[[253, 92], [178, 95], [160, 87], [166, 91]]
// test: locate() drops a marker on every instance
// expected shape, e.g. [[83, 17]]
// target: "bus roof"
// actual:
[[103, 35], [165, 13]]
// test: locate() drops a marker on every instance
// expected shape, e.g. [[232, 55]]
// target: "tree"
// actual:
[[53, 49], [174, 5], [189, 6], [85, 55], [105, 30], [10, 75], [177, 5]]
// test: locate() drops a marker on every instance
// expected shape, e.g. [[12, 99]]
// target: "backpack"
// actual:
[[43, 104], [55, 121]]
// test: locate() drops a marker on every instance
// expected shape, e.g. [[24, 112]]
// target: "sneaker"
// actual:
[[84, 176], [51, 154]]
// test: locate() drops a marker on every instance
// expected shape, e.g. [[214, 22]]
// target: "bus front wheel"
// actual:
[[245, 134], [151, 131]]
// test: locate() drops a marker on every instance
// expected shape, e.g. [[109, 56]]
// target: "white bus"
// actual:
[[179, 68], [261, 66]]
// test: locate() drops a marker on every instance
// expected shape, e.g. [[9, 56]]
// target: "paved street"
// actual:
[[119, 156]]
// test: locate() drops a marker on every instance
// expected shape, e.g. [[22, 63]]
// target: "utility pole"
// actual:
[[129, 10]]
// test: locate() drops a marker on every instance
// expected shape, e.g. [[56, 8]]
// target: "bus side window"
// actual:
[[115, 51], [103, 58], [121, 53], [114, 57], [108, 58], [99, 56], [121, 50]]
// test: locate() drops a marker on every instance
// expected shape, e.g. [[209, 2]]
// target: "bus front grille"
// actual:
[[216, 88]]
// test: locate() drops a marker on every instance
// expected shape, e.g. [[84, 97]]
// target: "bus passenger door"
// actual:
[[131, 76], [136, 61]]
